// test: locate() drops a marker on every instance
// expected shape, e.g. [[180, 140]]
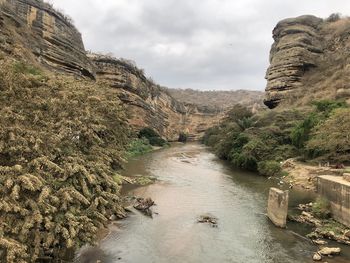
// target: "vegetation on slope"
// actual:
[[218, 100], [260, 142], [61, 142]]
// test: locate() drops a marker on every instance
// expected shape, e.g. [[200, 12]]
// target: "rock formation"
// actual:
[[35, 26], [148, 104], [33, 30], [308, 60]]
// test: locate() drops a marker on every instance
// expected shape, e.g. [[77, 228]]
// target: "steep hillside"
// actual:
[[309, 61], [219, 100], [62, 143], [147, 103], [34, 31], [34, 28]]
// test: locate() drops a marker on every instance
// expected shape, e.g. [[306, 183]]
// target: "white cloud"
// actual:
[[204, 44]]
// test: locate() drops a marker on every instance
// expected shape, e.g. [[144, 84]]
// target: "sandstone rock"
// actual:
[[346, 177], [347, 234], [317, 257], [320, 242], [326, 251], [47, 33], [43, 36], [295, 51], [306, 49], [144, 205], [148, 104]]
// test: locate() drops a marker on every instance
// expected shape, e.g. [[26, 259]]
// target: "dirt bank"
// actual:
[[304, 176]]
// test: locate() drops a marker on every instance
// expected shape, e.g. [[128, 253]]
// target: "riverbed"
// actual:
[[191, 182]]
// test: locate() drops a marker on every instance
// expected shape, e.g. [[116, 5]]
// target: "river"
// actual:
[[191, 181]]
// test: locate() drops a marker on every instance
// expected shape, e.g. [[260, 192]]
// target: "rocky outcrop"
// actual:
[[34, 29], [296, 49], [149, 104], [309, 61]]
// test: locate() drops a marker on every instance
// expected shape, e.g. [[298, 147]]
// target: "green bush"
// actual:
[[327, 106], [238, 112], [301, 133], [21, 67], [269, 168], [321, 208], [148, 133], [157, 141], [138, 147], [152, 136], [244, 161], [330, 139]]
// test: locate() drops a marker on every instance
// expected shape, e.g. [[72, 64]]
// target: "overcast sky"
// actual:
[[200, 44]]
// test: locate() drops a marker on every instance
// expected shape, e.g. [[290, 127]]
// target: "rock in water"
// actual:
[[320, 242], [326, 251], [213, 221], [317, 257], [144, 205]]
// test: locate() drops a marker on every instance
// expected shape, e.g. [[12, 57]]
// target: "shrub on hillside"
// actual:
[[301, 132], [61, 143], [331, 138], [139, 147], [269, 168], [152, 136]]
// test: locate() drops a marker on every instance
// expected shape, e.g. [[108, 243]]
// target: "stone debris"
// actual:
[[319, 242], [144, 205], [213, 221], [317, 257], [326, 251]]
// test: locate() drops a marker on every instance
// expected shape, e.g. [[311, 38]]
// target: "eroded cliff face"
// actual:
[[34, 29], [148, 104], [308, 61]]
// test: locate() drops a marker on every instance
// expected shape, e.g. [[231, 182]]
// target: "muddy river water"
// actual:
[[191, 181]]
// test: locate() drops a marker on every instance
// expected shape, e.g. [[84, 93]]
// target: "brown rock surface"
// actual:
[[149, 104], [309, 60], [34, 29]]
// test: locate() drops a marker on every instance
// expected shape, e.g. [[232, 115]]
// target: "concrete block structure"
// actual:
[[337, 190], [277, 207]]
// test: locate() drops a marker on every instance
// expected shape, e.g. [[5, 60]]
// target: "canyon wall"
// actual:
[[33, 31], [34, 26], [309, 60], [147, 103]]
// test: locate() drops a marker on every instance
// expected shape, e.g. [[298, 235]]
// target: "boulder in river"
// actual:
[[144, 205], [317, 257], [207, 218], [327, 251]]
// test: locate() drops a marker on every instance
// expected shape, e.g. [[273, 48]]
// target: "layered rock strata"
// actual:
[[47, 34], [148, 104], [296, 49]]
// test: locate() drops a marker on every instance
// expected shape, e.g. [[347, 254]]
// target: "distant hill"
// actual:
[[219, 99]]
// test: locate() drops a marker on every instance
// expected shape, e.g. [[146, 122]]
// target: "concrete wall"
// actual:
[[337, 191], [277, 207]]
